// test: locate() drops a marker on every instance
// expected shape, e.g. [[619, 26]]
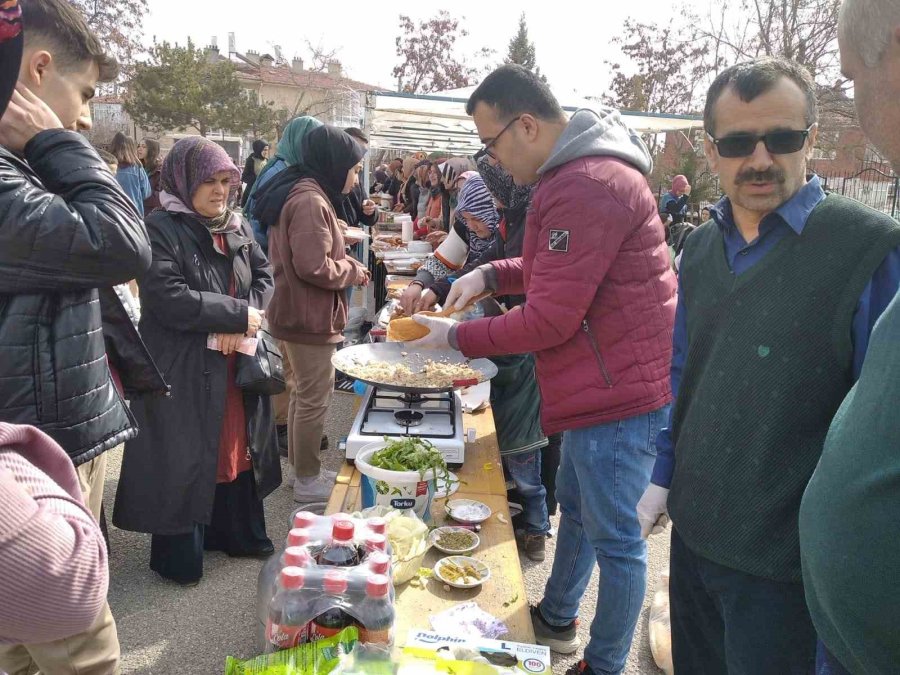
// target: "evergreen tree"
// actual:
[[522, 51]]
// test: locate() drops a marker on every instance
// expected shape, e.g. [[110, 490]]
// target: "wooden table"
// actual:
[[503, 595]]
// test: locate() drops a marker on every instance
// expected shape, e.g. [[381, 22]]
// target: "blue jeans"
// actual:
[[603, 474], [524, 469], [826, 664]]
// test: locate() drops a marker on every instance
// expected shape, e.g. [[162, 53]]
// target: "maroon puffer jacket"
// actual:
[[600, 297]]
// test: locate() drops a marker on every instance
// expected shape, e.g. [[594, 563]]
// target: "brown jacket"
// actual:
[[312, 270]]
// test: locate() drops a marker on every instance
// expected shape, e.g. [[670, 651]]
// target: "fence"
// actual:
[[875, 185]]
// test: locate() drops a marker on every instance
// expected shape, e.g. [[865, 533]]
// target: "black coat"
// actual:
[[66, 229], [168, 476]]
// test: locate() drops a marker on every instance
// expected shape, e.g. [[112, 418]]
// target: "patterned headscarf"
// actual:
[[10, 49], [189, 163], [515, 198], [475, 199]]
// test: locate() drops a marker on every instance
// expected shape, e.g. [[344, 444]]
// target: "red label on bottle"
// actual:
[[380, 636], [286, 637], [421, 489]]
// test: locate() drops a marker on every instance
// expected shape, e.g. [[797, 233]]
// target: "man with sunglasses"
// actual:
[[598, 314], [777, 297]]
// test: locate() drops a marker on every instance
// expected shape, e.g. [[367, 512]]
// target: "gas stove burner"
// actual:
[[409, 418], [411, 397]]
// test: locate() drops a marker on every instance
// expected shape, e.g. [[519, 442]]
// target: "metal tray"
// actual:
[[398, 352]]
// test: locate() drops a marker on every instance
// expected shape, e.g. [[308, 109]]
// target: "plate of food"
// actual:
[[468, 511], [395, 366], [454, 540], [461, 571]]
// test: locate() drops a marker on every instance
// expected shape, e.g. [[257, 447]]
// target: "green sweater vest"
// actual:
[[848, 519], [768, 363]]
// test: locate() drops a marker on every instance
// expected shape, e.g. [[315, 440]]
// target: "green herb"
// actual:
[[412, 454], [455, 541], [511, 602]]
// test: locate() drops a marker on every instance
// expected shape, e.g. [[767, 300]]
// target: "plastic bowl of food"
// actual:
[[454, 540], [461, 571], [468, 511]]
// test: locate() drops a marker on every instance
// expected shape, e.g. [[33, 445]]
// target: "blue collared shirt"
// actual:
[[789, 219]]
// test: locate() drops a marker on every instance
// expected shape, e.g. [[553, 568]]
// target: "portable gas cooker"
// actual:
[[432, 416]]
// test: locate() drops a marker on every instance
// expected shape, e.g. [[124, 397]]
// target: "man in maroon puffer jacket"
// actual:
[[599, 312]]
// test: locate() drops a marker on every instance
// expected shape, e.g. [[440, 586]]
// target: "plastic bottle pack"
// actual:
[[333, 574]]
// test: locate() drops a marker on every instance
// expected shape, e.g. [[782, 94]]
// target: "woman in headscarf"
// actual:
[[254, 165], [207, 455], [476, 222], [312, 271], [409, 193], [148, 153], [530, 460], [288, 153]]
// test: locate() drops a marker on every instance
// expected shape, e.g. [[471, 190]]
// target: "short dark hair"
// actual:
[[754, 78], [357, 134], [514, 90], [125, 150], [58, 24]]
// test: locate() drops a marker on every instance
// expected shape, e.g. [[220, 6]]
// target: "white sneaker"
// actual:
[[314, 489], [291, 479]]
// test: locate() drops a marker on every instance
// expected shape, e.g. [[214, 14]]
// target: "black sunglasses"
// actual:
[[776, 142], [486, 150]]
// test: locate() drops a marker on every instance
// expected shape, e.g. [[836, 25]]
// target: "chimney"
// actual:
[[266, 61], [253, 56], [297, 65], [211, 52], [334, 68], [232, 43]]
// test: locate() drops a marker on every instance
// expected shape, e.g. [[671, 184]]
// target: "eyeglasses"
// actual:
[[486, 150], [776, 142]]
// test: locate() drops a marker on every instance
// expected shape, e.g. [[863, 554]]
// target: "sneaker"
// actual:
[[314, 489], [580, 668], [533, 545], [291, 479], [560, 639], [282, 439]]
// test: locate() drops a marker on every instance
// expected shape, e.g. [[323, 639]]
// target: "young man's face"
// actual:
[[67, 91]]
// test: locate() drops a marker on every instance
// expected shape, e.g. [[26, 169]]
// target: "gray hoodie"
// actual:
[[592, 134]]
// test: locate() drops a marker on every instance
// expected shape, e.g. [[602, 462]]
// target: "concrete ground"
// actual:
[[165, 629]]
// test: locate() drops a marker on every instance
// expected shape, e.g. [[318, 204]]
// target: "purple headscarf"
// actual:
[[190, 162]]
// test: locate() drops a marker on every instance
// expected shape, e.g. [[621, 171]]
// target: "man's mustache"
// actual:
[[772, 175]]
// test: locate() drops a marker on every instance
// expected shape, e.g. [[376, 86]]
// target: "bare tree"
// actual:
[[118, 24]]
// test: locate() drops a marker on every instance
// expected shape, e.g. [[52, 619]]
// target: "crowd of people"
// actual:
[[749, 397]]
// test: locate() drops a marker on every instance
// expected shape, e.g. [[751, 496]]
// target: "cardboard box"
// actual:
[[471, 656]]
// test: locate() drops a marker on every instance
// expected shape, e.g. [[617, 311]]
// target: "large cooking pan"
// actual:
[[398, 352]]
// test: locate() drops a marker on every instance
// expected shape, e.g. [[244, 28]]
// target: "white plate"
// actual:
[[468, 511], [441, 491], [482, 569], [438, 531]]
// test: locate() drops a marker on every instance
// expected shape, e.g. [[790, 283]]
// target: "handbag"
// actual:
[[262, 373]]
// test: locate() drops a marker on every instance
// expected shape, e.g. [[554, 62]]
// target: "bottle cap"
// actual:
[[378, 586], [376, 542], [335, 582], [292, 578], [339, 516], [297, 556], [379, 563], [377, 525], [304, 519], [342, 531], [298, 537]]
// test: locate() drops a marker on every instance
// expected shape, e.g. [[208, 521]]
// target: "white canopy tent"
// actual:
[[439, 123]]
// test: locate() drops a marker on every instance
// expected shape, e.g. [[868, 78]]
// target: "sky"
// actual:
[[572, 40]]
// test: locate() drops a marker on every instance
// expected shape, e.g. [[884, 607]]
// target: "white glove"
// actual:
[[437, 338], [651, 510], [465, 289]]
